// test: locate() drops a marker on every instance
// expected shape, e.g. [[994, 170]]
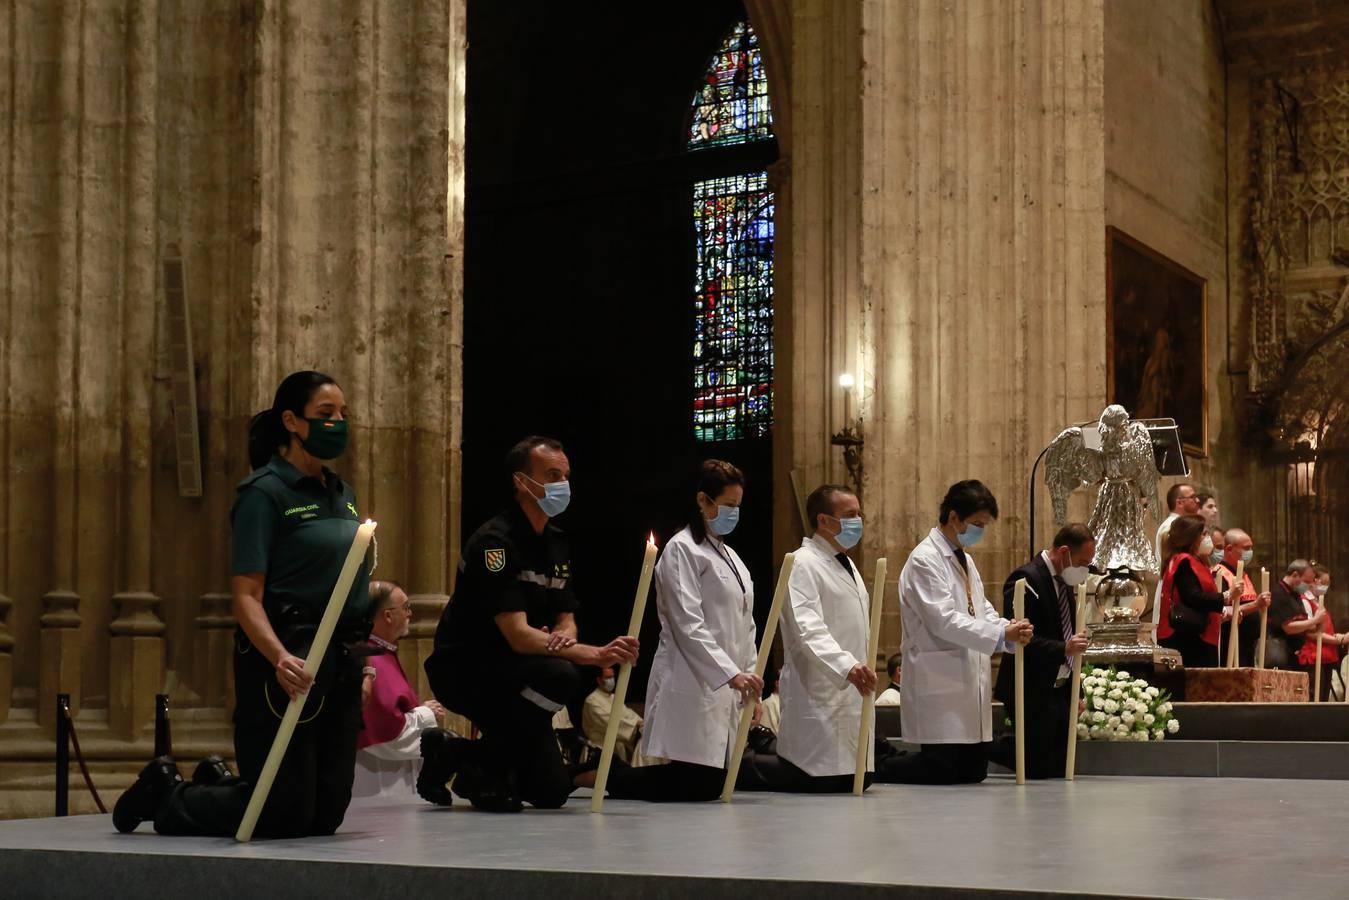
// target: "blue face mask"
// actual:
[[1216, 556], [850, 532], [1247, 555], [972, 535], [724, 522], [556, 496]]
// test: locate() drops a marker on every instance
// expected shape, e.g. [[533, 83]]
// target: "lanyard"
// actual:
[[969, 588], [726, 557]]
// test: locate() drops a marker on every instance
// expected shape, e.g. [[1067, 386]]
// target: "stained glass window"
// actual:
[[733, 277], [732, 105]]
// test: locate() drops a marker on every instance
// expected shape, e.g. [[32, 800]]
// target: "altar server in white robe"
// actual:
[[824, 639], [704, 666], [950, 633]]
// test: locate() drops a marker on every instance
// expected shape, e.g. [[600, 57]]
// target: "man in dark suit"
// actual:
[[1051, 580]]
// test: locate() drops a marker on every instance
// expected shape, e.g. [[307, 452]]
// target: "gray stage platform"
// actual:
[[1116, 837]]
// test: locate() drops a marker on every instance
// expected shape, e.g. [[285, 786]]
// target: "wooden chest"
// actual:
[[1245, 685]]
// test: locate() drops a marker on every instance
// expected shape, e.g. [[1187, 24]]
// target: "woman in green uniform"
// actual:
[[293, 523]]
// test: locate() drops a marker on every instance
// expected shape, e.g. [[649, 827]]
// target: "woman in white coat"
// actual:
[[824, 637], [704, 665], [950, 633]]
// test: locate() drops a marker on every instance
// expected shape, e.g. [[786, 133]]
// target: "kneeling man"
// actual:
[[824, 637]]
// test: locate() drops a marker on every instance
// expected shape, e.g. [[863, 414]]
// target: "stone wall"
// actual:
[[1166, 185], [305, 161], [947, 220]]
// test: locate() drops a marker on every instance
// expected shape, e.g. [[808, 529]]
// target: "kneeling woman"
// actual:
[[704, 666], [1192, 609], [293, 523]]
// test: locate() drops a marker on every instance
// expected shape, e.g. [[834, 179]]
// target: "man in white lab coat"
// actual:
[[950, 633], [824, 639]]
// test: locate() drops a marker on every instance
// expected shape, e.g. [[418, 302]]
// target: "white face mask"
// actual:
[[1206, 547], [1074, 575], [608, 684]]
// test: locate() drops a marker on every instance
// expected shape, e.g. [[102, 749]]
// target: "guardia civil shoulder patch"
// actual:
[[495, 559]]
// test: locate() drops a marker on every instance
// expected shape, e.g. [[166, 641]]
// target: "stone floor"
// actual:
[[1135, 837]]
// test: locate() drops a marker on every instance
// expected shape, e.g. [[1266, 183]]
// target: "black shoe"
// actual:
[[496, 796], [486, 790], [587, 760], [442, 753], [211, 770], [141, 802], [762, 740]]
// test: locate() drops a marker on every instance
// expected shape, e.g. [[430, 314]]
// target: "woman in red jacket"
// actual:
[[1192, 610]]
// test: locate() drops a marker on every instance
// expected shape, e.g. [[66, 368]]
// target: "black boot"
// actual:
[[496, 794], [211, 770], [442, 753], [141, 802]]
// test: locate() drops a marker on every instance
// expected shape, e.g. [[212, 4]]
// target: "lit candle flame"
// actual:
[[651, 538]]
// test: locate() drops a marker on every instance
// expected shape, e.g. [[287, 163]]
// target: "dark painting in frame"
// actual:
[[1156, 343]]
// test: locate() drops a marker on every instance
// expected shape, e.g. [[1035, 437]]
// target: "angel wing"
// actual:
[[1141, 465], [1068, 466]]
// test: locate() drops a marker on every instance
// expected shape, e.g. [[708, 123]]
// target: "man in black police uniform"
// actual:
[[1051, 580], [506, 654]]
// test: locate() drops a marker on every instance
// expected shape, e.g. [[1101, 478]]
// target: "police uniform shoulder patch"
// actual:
[[495, 559]]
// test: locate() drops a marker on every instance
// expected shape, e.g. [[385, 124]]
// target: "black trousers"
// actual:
[[1326, 669], [674, 782], [1194, 653], [934, 764], [312, 788], [1046, 734], [513, 707], [770, 772]]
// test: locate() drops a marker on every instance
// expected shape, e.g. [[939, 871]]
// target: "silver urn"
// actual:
[[1117, 636]]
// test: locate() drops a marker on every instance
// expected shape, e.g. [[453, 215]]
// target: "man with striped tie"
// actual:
[[1051, 580]]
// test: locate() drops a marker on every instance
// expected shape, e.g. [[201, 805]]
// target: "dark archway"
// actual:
[[577, 275]]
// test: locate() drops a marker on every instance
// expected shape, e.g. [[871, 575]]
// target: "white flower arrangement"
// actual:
[[1118, 707]]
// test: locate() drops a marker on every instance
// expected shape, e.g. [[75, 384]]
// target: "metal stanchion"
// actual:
[[63, 754], [163, 736]]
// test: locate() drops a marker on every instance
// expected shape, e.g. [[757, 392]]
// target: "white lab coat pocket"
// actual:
[[937, 672]]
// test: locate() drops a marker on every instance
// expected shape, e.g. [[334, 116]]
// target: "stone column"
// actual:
[[6, 658], [59, 671], [948, 248], [214, 643], [416, 647], [136, 657]]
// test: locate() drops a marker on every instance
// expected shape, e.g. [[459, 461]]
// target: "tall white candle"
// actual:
[[1264, 620], [1233, 639], [869, 701], [1316, 693], [331, 613], [624, 676], [1070, 769], [1019, 612], [765, 647]]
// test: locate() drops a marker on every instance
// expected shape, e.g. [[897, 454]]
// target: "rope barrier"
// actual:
[[65, 731]]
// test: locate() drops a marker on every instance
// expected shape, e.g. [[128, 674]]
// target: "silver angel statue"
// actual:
[[1126, 472]]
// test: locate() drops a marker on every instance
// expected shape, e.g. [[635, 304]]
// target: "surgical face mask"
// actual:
[[724, 521], [556, 496], [972, 535], [1322, 589], [850, 532], [1247, 555], [327, 438], [608, 684], [1074, 575], [1216, 556], [1296, 587], [1206, 547]]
